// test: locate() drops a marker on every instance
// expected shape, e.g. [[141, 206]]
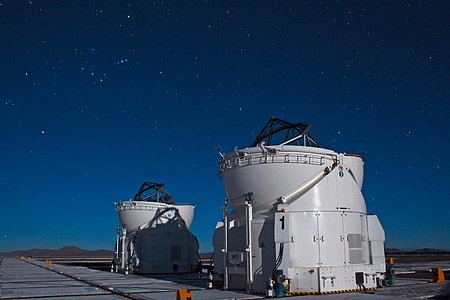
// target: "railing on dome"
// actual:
[[280, 132], [132, 206], [153, 192], [265, 158]]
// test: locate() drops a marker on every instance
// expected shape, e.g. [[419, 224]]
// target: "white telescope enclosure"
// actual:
[[153, 236], [309, 226]]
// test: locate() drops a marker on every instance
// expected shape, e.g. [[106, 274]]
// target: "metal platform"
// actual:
[[27, 278], [404, 268]]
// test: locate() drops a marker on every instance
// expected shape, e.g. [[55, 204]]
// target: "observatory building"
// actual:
[[153, 236], [295, 220]]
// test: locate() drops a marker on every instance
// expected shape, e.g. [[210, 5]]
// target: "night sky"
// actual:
[[97, 97]]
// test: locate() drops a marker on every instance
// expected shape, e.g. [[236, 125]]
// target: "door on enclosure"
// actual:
[[353, 238], [305, 243], [331, 239]]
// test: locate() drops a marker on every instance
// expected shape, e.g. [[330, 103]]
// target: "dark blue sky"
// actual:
[[98, 96]]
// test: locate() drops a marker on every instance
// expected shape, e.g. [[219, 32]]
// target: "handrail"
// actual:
[[137, 207], [263, 158]]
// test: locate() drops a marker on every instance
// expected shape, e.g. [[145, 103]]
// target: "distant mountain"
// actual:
[[422, 250], [430, 250], [69, 251], [394, 250]]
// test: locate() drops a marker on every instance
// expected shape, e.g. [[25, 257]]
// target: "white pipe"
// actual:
[[116, 254], [306, 186], [117, 242], [124, 237], [225, 254], [249, 217]]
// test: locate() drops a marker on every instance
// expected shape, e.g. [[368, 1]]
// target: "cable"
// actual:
[[278, 260]]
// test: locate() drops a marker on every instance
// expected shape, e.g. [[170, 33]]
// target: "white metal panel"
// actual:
[[365, 240], [304, 250], [331, 239], [304, 279], [331, 181], [263, 252], [376, 243], [352, 186], [376, 232], [341, 188], [378, 256], [356, 166], [332, 279], [353, 243], [219, 245], [282, 232], [359, 203]]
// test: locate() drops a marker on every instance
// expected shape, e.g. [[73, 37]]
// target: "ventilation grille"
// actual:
[[175, 252], [355, 248]]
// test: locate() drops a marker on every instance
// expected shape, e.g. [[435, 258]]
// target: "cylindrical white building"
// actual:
[[309, 222], [154, 234]]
